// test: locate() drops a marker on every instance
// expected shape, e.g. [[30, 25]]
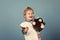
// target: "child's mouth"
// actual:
[[30, 16]]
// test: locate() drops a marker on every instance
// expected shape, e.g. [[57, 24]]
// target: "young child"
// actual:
[[26, 26]]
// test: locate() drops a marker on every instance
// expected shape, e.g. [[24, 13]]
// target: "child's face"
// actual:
[[29, 15]]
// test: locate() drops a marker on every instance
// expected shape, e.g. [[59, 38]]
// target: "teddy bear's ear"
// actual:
[[40, 20], [34, 23]]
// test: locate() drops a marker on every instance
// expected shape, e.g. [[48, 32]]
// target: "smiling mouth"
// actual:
[[30, 16]]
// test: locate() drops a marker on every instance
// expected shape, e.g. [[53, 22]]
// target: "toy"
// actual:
[[38, 24]]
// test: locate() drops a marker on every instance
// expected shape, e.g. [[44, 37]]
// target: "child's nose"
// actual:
[[31, 14]]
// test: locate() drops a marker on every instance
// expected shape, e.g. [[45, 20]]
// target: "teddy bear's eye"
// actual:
[[40, 20]]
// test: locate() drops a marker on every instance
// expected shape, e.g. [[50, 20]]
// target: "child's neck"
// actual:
[[28, 20]]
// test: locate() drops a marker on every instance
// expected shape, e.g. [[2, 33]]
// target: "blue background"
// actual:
[[11, 15]]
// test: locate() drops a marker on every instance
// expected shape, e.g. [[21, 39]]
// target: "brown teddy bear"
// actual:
[[38, 24]]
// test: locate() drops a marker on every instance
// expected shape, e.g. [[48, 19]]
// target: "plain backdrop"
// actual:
[[11, 15]]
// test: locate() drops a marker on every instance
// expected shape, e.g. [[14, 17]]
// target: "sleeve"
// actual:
[[26, 25], [22, 28]]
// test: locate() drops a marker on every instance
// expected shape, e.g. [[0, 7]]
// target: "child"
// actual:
[[27, 28]]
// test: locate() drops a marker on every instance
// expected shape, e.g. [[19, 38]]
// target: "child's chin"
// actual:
[[30, 18]]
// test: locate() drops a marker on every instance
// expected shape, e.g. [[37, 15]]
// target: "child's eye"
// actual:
[[32, 13]]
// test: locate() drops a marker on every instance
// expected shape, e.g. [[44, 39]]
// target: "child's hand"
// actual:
[[26, 29]]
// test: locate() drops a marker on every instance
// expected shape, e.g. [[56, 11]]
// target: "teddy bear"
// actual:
[[38, 24]]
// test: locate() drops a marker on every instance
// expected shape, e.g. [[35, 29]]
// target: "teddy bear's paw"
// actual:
[[40, 20], [42, 26], [34, 23]]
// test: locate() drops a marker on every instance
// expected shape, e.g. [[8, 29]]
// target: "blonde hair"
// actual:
[[28, 8]]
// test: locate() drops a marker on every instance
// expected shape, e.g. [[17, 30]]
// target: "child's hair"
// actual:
[[28, 8]]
